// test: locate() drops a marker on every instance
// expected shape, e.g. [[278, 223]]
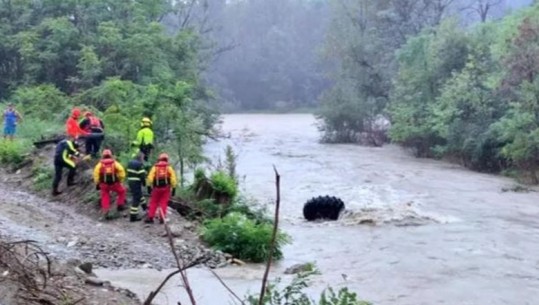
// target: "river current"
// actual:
[[415, 231]]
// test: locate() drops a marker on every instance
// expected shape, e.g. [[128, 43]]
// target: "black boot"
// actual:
[[121, 208], [135, 217], [148, 220], [56, 192]]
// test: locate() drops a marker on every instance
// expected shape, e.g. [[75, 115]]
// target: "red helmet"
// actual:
[[107, 153], [163, 157], [75, 112]]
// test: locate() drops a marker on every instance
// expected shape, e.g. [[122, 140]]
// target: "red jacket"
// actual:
[[73, 129]]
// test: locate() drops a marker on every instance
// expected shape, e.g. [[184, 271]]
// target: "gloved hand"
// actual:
[[97, 187], [149, 189], [173, 192], [87, 158]]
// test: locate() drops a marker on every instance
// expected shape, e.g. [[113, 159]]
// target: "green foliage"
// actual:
[[115, 58], [35, 129], [42, 177], [43, 102], [293, 293], [425, 63], [13, 152], [231, 163], [224, 184], [342, 297], [250, 209], [243, 237]]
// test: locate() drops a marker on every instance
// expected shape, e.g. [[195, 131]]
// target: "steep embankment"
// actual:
[[69, 226]]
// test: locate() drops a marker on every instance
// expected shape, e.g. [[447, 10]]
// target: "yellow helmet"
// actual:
[[145, 122]]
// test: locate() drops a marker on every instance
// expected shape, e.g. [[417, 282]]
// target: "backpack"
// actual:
[[94, 124], [107, 174], [162, 176]]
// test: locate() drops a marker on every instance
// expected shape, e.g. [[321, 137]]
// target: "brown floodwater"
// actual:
[[415, 231]]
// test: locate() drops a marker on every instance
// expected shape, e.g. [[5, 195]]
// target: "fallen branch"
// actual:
[[273, 237], [22, 262], [227, 287], [181, 269], [153, 294]]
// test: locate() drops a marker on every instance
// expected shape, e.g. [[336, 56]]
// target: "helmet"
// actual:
[[107, 153], [88, 113], [145, 122], [163, 157], [75, 112]]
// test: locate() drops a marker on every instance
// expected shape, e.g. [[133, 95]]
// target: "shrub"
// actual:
[[42, 102], [209, 209], [224, 184], [250, 209], [13, 152], [35, 129], [293, 294], [242, 237]]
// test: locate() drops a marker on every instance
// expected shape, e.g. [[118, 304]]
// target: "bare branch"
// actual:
[[227, 287], [273, 237]]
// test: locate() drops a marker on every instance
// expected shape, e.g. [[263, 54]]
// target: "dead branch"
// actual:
[[227, 287], [178, 262], [181, 269], [23, 262], [153, 294], [273, 237]]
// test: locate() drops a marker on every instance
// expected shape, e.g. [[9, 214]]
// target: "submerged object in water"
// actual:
[[323, 207]]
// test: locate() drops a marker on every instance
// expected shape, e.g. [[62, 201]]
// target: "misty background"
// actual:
[[277, 55]]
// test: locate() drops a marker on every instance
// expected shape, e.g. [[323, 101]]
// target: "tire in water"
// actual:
[[323, 207]]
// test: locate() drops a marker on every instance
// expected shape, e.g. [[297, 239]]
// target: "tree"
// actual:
[[426, 62]]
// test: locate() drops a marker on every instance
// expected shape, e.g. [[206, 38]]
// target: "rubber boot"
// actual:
[[121, 208], [56, 192], [134, 217], [148, 220]]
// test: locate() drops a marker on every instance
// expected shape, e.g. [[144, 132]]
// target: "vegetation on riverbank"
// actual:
[[466, 93]]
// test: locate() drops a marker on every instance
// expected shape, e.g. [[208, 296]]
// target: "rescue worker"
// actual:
[[109, 175], [72, 125], [161, 184], [66, 152], [144, 141], [136, 179], [94, 128], [11, 118]]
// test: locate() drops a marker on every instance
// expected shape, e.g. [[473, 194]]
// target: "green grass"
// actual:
[[14, 152], [42, 178]]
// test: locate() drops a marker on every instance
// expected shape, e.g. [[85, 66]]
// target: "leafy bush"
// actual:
[[293, 294], [242, 237], [42, 102], [251, 210], [209, 209], [13, 152], [225, 184], [34, 129]]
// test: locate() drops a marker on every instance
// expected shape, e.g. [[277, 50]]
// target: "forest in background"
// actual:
[[457, 79]]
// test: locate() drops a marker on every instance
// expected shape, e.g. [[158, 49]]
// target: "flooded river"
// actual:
[[442, 234]]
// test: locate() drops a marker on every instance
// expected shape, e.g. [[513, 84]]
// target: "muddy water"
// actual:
[[441, 234]]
